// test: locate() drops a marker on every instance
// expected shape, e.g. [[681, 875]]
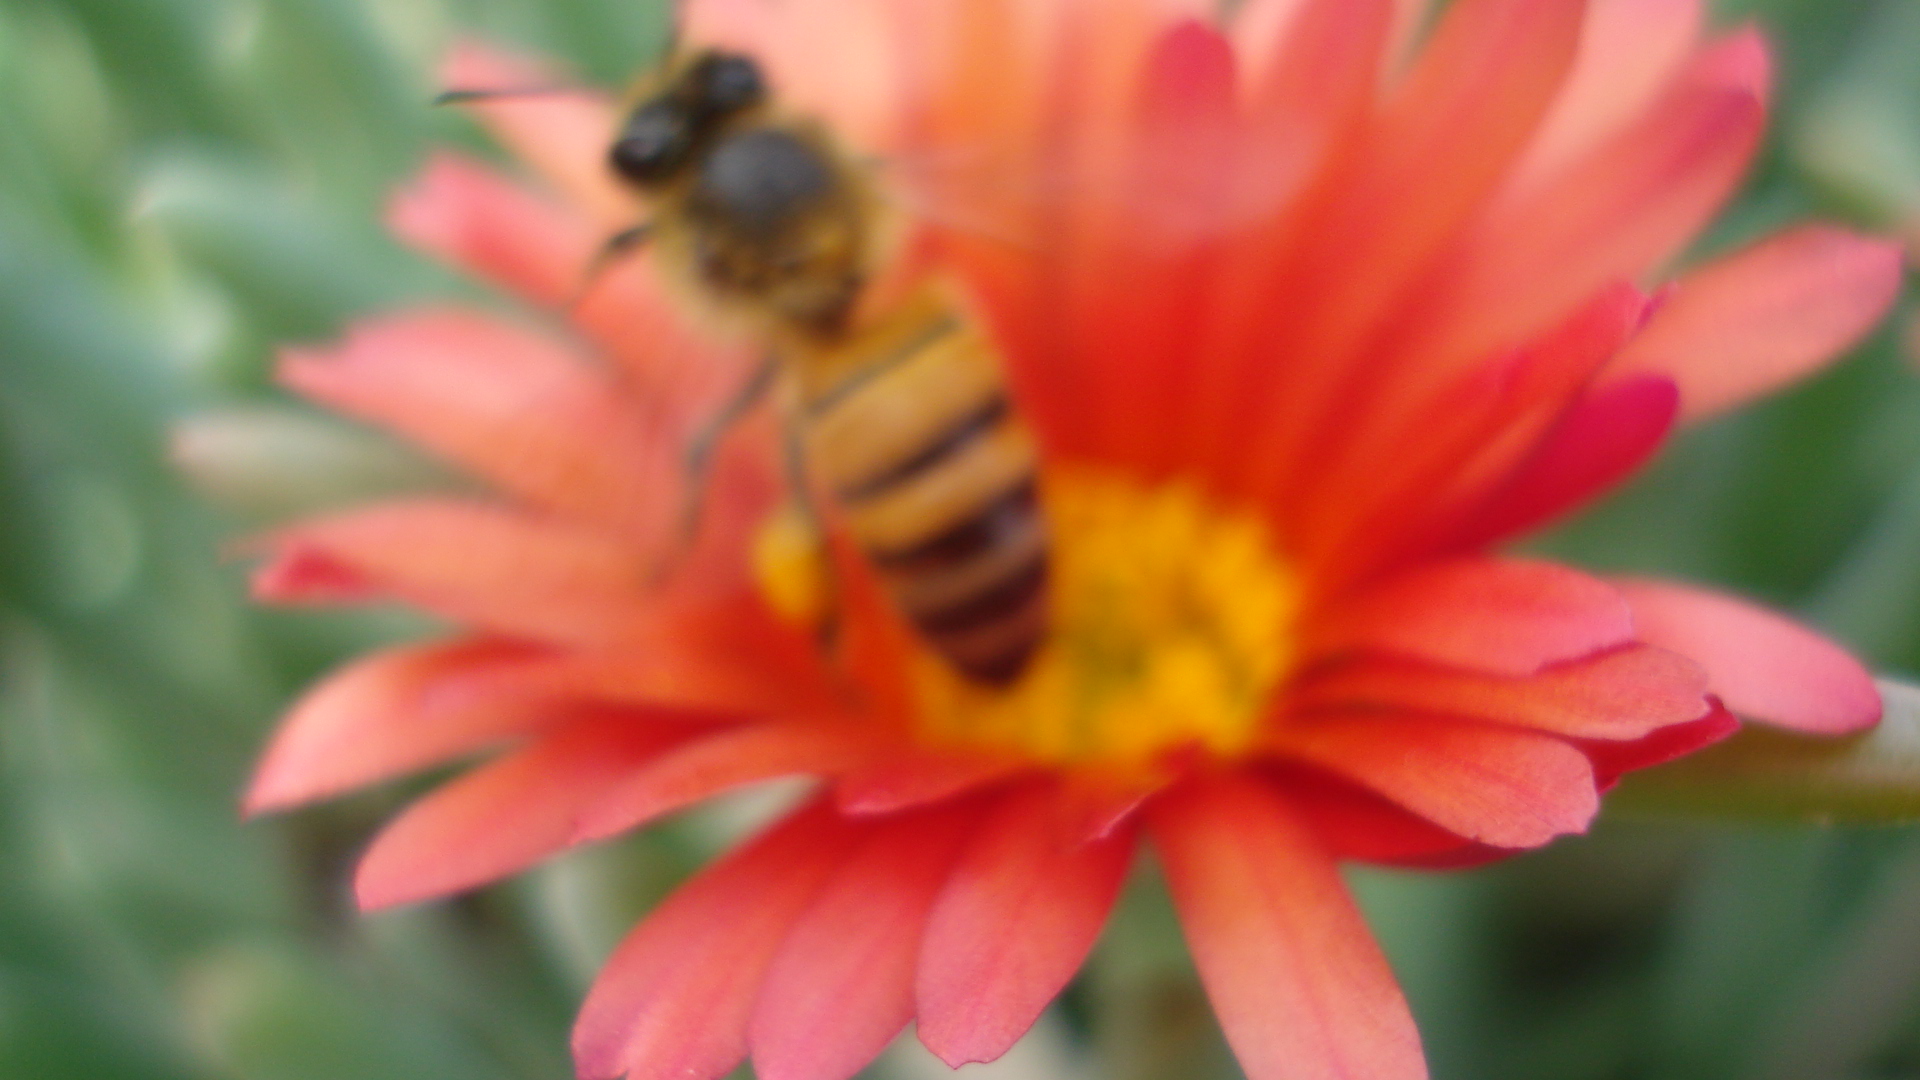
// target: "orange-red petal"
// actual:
[[902, 777], [563, 135], [1023, 906], [1598, 442], [1612, 760], [1630, 50], [1438, 151], [1295, 977], [1503, 786], [674, 999], [687, 662], [1620, 695], [841, 986], [1768, 315], [469, 215], [1304, 111], [508, 814], [1763, 665], [394, 712], [1355, 823], [1614, 214], [512, 406], [709, 766], [1500, 616], [1394, 459], [515, 574]]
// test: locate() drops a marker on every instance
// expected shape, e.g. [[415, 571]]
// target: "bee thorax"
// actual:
[[761, 181]]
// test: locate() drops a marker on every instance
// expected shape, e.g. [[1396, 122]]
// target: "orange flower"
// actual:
[[1307, 319]]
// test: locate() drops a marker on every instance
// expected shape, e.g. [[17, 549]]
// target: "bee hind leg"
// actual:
[[698, 459], [829, 626]]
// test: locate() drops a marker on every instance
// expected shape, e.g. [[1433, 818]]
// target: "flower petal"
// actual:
[[1260, 28], [1620, 695], [1438, 151], [729, 659], [1299, 112], [563, 136], [1143, 269], [1022, 909], [508, 814], [1324, 70], [1478, 89], [1606, 435], [1763, 665], [1500, 616], [467, 214], [718, 763], [1612, 760], [1503, 786], [911, 777], [841, 986], [1355, 823], [514, 574], [674, 999], [1295, 977], [1394, 465], [392, 713], [1614, 214], [1766, 316], [470, 216], [513, 406], [1630, 51]]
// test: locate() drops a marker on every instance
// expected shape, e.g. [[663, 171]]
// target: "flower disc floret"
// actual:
[[1172, 625]]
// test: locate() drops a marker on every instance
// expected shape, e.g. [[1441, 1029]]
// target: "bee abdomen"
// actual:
[[977, 590], [935, 473]]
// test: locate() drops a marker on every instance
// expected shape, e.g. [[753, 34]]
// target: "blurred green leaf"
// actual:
[[1860, 135], [264, 1011]]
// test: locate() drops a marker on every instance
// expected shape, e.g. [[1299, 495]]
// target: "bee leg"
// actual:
[[612, 250], [697, 461], [828, 631]]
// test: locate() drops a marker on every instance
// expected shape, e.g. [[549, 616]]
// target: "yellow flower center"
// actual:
[[1172, 623]]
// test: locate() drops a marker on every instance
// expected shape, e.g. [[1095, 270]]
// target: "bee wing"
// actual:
[[1172, 187], [977, 191]]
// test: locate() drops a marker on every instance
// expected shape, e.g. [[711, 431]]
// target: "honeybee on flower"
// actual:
[[1307, 312]]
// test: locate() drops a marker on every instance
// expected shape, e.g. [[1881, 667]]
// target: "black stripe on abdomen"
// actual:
[[967, 538], [943, 446], [991, 629], [992, 637]]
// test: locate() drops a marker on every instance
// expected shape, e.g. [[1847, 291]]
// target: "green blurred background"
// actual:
[[184, 183]]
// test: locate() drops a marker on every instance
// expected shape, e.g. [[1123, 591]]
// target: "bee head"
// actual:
[[663, 132], [722, 84]]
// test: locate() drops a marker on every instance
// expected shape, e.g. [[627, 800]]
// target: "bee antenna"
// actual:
[[463, 97]]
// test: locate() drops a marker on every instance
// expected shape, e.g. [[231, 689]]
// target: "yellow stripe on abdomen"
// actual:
[[934, 474]]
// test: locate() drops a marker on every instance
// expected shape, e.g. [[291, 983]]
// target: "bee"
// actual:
[[899, 416]]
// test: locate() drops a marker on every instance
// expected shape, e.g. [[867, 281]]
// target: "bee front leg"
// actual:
[[611, 250]]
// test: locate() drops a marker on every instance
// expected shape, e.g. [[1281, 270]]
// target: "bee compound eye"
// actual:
[[731, 82], [654, 142]]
